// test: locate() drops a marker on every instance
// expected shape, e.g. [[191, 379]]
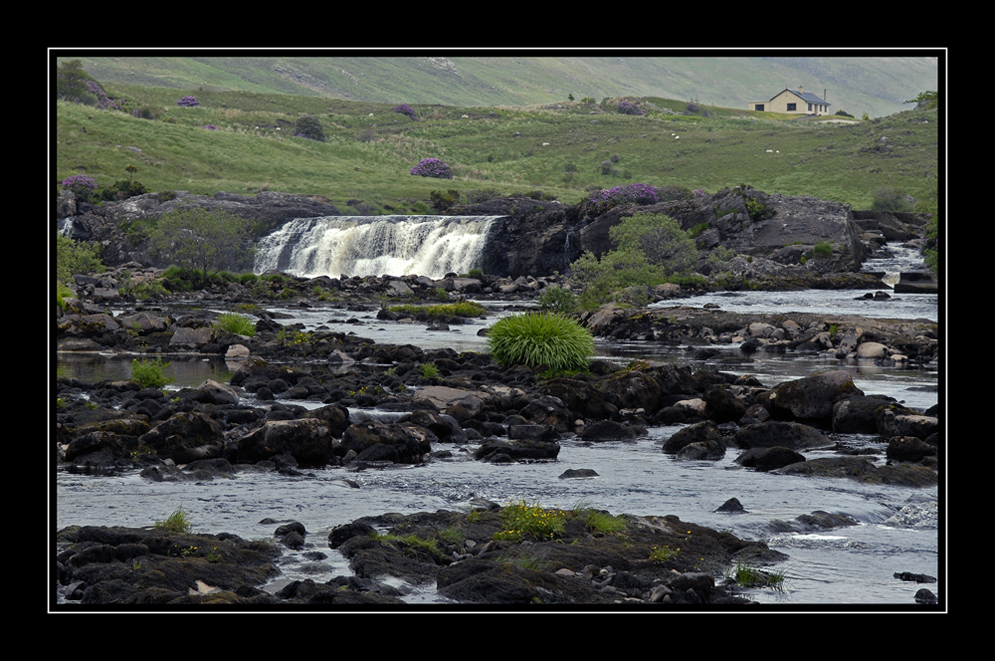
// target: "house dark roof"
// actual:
[[808, 97]]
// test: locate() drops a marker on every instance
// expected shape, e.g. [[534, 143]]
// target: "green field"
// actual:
[[563, 149]]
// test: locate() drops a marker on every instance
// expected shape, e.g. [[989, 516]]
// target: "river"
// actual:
[[899, 529]]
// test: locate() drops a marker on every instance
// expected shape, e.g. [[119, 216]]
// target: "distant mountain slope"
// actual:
[[860, 84]]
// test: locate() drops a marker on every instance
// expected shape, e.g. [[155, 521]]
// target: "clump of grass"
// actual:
[[429, 370], [553, 340], [175, 522], [236, 323], [521, 520], [603, 523], [458, 309], [408, 544], [149, 373], [748, 576]]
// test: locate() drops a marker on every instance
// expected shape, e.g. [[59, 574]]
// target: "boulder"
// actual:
[[399, 443], [811, 398], [608, 430], [308, 440], [767, 459], [186, 437], [774, 433], [702, 433]]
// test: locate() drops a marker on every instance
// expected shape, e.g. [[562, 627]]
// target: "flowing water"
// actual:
[[899, 529], [374, 245]]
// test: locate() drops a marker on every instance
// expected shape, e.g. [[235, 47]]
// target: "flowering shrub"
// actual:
[[699, 192], [629, 108], [405, 109], [188, 102], [104, 102], [81, 186], [628, 193], [432, 167]]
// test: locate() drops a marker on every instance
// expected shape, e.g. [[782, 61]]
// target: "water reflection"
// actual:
[[182, 371]]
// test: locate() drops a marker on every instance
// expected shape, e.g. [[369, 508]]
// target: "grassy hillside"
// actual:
[[502, 148], [873, 83]]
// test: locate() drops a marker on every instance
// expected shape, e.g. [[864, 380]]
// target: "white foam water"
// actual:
[[375, 245]]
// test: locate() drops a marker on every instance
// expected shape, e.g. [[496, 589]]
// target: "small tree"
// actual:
[[202, 242], [660, 240], [71, 83], [650, 249]]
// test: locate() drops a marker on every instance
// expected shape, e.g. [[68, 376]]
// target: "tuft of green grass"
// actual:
[[408, 544], [429, 370], [603, 523], [458, 309], [148, 373], [553, 340], [237, 323], [748, 576], [175, 522]]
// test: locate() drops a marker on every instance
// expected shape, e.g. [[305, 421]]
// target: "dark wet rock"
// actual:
[[608, 430], [573, 473], [186, 437], [774, 433], [401, 443], [525, 449], [909, 448], [768, 459], [126, 566], [732, 506], [815, 521], [699, 433], [308, 440], [811, 398], [863, 470]]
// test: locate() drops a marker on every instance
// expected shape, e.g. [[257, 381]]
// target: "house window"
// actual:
[[810, 107], [791, 107], [759, 107]]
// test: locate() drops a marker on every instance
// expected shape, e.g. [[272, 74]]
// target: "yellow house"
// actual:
[[793, 101]]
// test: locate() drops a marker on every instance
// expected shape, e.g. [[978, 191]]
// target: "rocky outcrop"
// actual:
[[538, 237], [108, 225]]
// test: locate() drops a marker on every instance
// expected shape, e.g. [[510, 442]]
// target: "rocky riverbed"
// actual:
[[465, 403]]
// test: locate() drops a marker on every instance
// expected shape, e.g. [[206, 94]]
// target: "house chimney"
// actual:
[[801, 90]]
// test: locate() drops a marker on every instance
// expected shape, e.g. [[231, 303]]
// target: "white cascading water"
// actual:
[[375, 245]]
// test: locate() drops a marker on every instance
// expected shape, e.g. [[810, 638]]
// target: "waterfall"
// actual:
[[375, 245]]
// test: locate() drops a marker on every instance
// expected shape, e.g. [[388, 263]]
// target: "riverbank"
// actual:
[[293, 404]]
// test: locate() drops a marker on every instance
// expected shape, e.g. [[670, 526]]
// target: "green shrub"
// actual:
[[149, 373], [557, 299], [822, 249], [892, 199], [202, 242], [652, 249], [531, 339], [310, 128], [74, 257], [122, 190]]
